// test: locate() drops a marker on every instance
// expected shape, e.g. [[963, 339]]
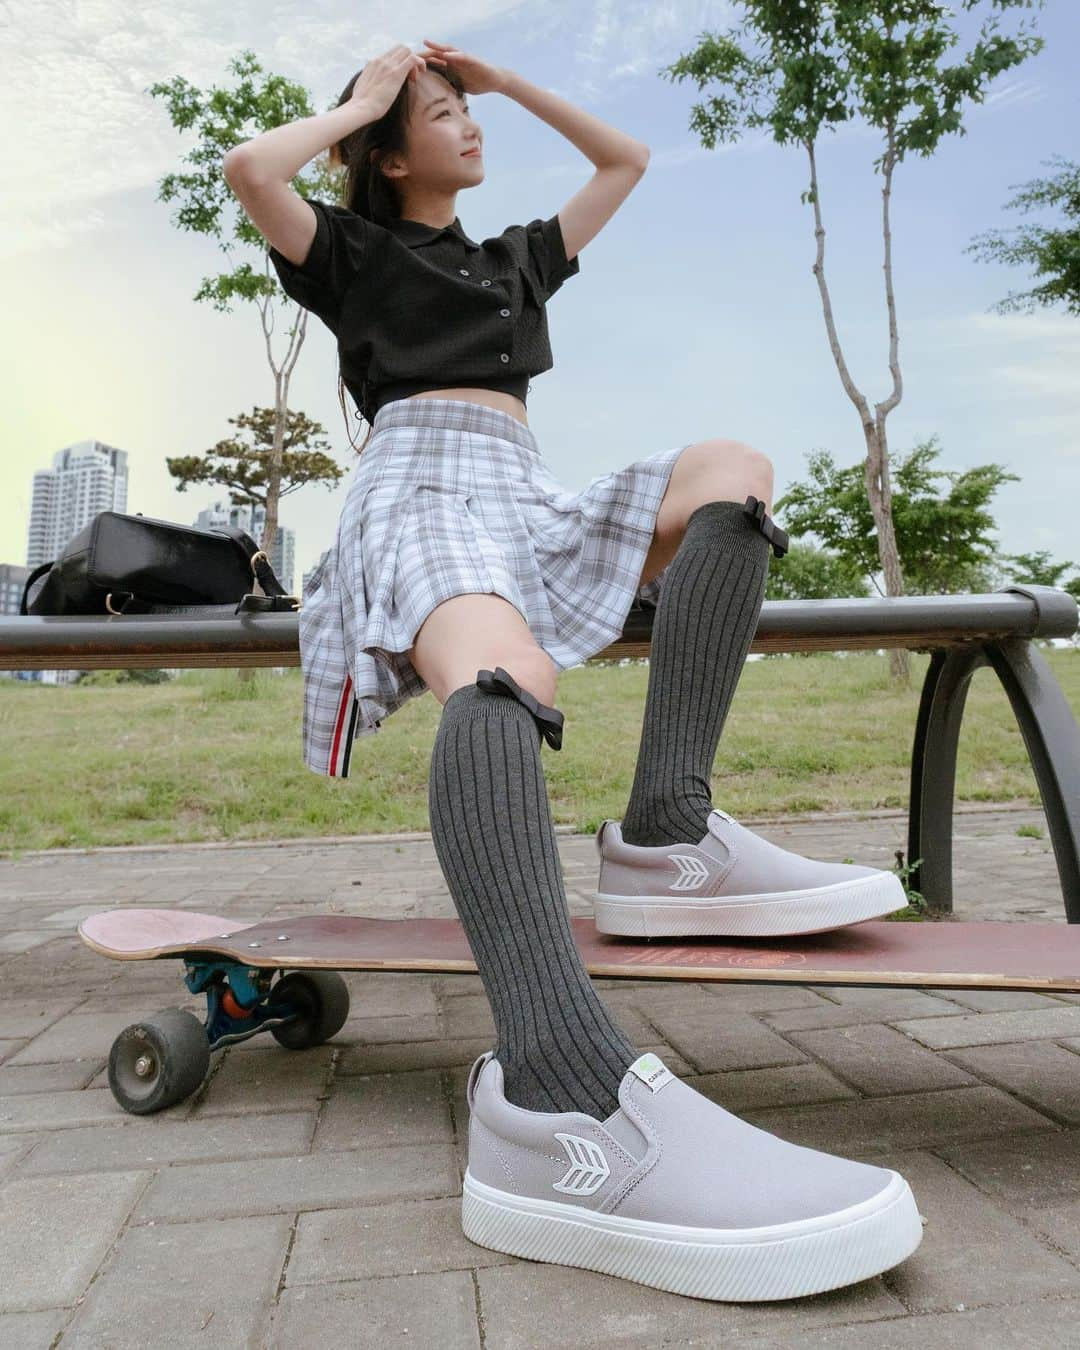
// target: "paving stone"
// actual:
[[879, 1060], [410, 1238], [1030, 1324], [1023, 1173], [389, 1030], [795, 1084], [390, 994], [712, 1040], [12, 1148], [755, 998], [288, 1184], [531, 1305], [66, 1076], [59, 1110], [973, 1252], [159, 1140], [394, 1108], [921, 1119], [1038, 1072], [23, 1018], [76, 1036], [180, 1285], [402, 1057], [267, 1079], [421, 1310], [56, 1231], [996, 1028], [1000, 1000], [867, 1005], [23, 941], [466, 1017], [31, 1331]]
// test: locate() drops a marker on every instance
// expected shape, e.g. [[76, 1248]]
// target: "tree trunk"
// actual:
[[878, 488], [282, 375]]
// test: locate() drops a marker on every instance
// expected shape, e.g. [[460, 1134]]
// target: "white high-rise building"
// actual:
[[252, 518], [85, 479]]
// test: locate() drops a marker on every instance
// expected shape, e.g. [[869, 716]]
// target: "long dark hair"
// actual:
[[368, 191]]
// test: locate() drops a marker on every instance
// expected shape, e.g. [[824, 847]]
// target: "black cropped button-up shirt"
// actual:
[[416, 307]]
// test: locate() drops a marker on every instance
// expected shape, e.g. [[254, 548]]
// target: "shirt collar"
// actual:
[[414, 232]]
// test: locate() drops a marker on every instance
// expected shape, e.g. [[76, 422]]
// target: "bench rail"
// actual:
[[961, 632]]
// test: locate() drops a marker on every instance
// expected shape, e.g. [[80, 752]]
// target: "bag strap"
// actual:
[[37, 572], [247, 604], [260, 563]]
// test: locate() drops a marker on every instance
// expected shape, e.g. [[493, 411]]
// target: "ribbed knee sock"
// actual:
[[494, 836], [704, 624]]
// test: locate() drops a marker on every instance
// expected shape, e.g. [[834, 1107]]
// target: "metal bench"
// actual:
[[961, 633]]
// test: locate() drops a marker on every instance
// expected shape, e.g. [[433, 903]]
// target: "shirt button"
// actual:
[[485, 282], [464, 271], [505, 313], [503, 356]]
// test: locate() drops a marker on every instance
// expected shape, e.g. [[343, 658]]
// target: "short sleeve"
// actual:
[[545, 254], [337, 255]]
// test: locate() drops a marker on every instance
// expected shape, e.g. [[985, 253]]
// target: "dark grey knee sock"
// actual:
[[495, 840], [704, 623]]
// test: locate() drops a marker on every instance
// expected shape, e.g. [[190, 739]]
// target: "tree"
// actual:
[[221, 119], [801, 67], [811, 573], [1038, 569], [943, 533], [1051, 253], [244, 466]]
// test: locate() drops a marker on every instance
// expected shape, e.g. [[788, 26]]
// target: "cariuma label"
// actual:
[[652, 1071]]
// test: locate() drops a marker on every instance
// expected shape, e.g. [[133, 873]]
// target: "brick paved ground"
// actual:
[[311, 1199]]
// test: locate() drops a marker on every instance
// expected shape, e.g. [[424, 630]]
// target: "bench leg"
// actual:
[[1052, 738], [933, 772]]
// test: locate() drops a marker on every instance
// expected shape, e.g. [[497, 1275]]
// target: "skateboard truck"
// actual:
[[755, 507], [549, 720]]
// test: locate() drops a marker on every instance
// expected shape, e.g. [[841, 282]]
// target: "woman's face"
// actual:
[[440, 130]]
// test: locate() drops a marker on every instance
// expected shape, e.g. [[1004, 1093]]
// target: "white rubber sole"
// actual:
[[731, 1265], [775, 914]]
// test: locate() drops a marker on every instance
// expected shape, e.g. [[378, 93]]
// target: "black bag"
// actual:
[[120, 564]]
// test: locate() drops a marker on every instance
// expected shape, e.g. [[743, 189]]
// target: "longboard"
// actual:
[[239, 967]]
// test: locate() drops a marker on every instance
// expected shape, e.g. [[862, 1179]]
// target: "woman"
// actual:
[[462, 566]]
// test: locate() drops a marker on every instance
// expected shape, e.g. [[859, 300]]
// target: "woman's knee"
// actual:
[[722, 470], [468, 633]]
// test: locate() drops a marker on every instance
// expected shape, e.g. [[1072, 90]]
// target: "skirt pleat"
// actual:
[[451, 498]]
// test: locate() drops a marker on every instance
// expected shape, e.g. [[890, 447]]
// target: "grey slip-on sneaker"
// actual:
[[733, 883], [675, 1192]]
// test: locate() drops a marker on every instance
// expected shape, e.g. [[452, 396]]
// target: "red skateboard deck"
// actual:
[[927, 954], [241, 968]]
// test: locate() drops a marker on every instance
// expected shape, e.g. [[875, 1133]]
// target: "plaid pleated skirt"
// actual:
[[450, 498]]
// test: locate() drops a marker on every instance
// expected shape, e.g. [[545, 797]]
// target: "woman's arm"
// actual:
[[605, 145], [280, 153]]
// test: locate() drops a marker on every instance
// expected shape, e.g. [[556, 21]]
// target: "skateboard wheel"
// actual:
[[159, 1061], [320, 1003]]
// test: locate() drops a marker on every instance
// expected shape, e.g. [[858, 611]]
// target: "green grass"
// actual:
[[205, 757]]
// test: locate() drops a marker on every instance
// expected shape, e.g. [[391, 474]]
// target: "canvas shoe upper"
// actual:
[[673, 1191], [733, 883]]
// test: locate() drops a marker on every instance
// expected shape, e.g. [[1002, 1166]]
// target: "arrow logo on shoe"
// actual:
[[693, 873], [588, 1168]]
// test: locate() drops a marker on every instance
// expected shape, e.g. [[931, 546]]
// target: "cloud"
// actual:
[[80, 124]]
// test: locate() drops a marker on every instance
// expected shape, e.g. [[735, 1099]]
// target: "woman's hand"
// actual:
[[382, 77], [477, 76]]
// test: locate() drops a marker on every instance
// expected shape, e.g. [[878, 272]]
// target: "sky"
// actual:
[[694, 316]]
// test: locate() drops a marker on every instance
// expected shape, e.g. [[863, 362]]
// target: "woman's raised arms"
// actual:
[[283, 218]]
